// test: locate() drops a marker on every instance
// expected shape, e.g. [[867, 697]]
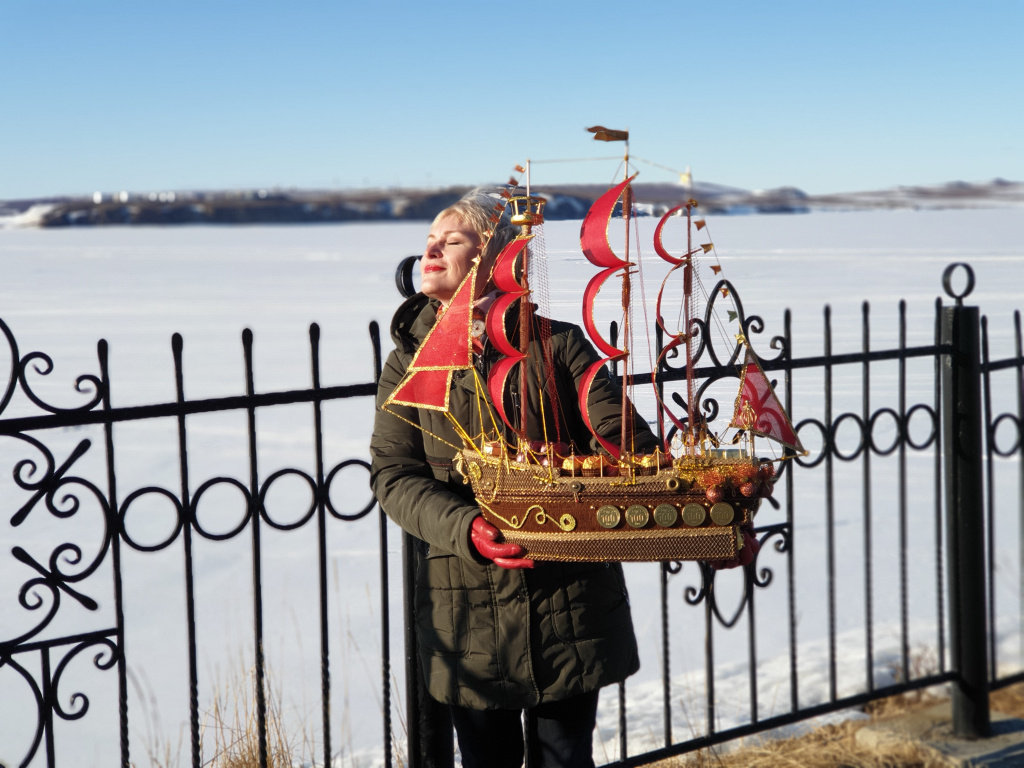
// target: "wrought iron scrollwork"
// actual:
[[716, 364], [54, 577], [105, 659], [42, 364], [754, 577], [48, 483]]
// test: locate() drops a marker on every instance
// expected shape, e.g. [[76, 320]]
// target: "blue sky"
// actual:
[[826, 96]]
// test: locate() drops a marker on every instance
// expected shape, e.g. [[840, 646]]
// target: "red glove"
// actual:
[[485, 538], [751, 546]]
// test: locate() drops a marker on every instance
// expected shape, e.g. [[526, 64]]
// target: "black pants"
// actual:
[[560, 735]]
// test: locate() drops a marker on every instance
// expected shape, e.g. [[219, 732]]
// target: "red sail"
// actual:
[[594, 232], [758, 410], [594, 242], [659, 246], [448, 347], [504, 276], [597, 249]]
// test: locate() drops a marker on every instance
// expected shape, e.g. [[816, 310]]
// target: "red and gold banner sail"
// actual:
[[597, 249], [504, 276], [758, 409], [447, 348]]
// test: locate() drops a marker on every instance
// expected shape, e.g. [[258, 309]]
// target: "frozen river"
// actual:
[[65, 289]]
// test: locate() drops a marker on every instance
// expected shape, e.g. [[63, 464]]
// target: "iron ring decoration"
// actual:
[[924, 408], [80, 699], [833, 443], [327, 491], [305, 516], [194, 508], [123, 515], [947, 281], [96, 385], [897, 441], [994, 427], [813, 462]]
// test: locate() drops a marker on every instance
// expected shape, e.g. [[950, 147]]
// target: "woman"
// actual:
[[497, 632]]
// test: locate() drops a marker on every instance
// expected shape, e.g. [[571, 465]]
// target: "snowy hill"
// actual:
[[565, 201]]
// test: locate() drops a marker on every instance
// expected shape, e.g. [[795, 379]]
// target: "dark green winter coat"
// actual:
[[489, 637]]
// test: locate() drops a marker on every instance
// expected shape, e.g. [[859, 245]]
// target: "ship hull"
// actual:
[[693, 510]]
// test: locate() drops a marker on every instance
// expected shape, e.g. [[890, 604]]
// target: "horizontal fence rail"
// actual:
[[873, 425]]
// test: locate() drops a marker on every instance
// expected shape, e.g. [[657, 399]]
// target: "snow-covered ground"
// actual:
[[64, 290]]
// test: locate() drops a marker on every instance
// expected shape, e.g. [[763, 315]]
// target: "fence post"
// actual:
[[962, 420]]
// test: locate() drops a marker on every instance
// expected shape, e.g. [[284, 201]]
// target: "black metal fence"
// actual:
[[926, 466]]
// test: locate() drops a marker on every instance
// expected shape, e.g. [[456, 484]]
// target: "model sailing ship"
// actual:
[[690, 499]]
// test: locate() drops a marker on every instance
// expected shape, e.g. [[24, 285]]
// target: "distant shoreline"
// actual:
[[565, 201]]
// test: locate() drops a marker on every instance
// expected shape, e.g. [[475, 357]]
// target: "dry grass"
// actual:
[[1009, 701], [835, 746], [233, 727], [831, 746]]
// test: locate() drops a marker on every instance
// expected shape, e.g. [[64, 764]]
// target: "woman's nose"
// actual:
[[433, 250]]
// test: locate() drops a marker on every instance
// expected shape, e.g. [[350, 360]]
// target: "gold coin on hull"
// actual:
[[637, 515], [723, 513], [608, 516], [694, 514], [665, 515]]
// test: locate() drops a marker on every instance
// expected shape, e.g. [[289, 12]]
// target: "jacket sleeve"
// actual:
[[605, 398], [404, 483]]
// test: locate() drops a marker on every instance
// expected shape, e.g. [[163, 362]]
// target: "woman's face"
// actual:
[[451, 249]]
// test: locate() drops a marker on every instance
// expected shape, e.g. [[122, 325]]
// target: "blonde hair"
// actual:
[[475, 209]]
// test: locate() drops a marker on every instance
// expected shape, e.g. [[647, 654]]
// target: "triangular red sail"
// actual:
[[423, 389], [758, 410], [448, 347]]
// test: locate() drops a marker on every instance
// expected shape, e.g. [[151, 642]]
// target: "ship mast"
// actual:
[[626, 434], [691, 409], [526, 213]]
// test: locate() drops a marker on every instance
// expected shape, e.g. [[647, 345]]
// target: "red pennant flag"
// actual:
[[758, 409]]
